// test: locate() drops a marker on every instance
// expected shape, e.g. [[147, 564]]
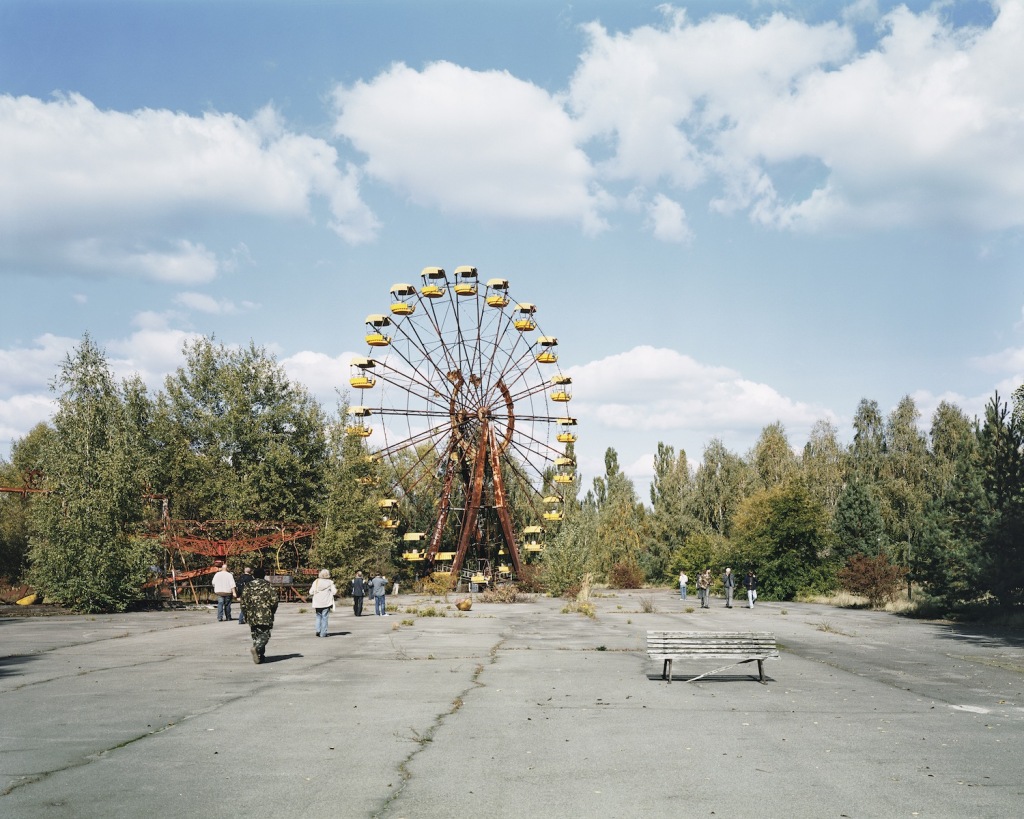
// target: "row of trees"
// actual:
[[945, 510], [229, 437]]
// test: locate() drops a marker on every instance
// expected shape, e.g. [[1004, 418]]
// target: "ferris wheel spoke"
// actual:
[[431, 435], [427, 395], [425, 356]]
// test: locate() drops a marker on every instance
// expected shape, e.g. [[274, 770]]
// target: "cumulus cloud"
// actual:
[[671, 391], [472, 142], [88, 191], [32, 367], [323, 375], [922, 128], [19, 413], [205, 303], [667, 220], [650, 394]]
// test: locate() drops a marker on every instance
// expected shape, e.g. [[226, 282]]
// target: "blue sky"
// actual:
[[730, 213]]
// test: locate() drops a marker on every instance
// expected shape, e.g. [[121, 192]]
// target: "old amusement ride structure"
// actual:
[[472, 443], [468, 409]]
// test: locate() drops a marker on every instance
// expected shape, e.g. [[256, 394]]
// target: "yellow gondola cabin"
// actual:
[[376, 322], [497, 295], [361, 377], [434, 282], [524, 317], [465, 281], [400, 299], [358, 426], [547, 354]]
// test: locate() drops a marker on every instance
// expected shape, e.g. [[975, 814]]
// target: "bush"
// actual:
[[500, 594], [530, 579], [626, 575], [874, 577]]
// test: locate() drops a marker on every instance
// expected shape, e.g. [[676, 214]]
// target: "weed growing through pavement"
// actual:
[[576, 607]]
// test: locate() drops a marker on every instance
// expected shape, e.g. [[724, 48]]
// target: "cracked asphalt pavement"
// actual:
[[508, 710]]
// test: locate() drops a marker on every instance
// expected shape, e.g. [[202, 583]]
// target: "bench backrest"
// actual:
[[712, 643]]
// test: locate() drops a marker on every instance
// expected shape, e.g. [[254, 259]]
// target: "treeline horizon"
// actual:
[[230, 437]]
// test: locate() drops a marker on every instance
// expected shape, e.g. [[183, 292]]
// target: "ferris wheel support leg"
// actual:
[[501, 503], [472, 506]]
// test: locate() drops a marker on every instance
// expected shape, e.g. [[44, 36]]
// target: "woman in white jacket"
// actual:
[[323, 591]]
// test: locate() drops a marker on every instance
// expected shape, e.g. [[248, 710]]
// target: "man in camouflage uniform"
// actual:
[[259, 604]]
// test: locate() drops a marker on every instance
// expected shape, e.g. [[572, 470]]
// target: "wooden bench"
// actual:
[[739, 646]]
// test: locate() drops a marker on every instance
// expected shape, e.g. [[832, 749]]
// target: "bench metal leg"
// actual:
[[760, 670], [666, 671]]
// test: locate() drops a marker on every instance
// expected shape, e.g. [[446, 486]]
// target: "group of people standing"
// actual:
[[258, 600], [728, 584]]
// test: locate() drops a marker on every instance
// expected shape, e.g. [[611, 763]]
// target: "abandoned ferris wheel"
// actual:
[[468, 411]]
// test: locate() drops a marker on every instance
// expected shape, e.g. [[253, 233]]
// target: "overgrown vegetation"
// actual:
[[230, 437]]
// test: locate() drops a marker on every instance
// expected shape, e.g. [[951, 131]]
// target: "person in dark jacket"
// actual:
[[358, 593], [750, 583], [728, 583], [259, 605]]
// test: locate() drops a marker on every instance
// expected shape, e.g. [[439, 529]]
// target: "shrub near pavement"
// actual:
[[874, 577], [626, 575], [500, 594]]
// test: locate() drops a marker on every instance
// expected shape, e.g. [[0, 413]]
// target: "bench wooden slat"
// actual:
[[742, 646]]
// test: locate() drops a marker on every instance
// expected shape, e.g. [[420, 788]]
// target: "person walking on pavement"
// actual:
[[704, 587], [378, 588], [322, 594], [750, 582], [259, 604], [729, 582], [359, 589], [683, 580], [244, 579], [224, 588]]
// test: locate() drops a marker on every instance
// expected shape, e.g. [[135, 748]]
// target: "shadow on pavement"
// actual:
[[981, 635]]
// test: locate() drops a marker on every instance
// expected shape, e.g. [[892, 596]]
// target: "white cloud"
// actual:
[[88, 191], [204, 303], [649, 395], [472, 142], [321, 374], [667, 220], [1008, 360], [32, 368], [19, 413], [923, 128]]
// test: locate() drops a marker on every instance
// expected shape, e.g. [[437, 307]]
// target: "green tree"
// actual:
[[84, 553], [903, 481], [958, 513], [858, 528], [1001, 442], [782, 534], [824, 465], [23, 471], [621, 524], [868, 447], [721, 484], [238, 440], [350, 537], [772, 458], [569, 555], [672, 502]]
